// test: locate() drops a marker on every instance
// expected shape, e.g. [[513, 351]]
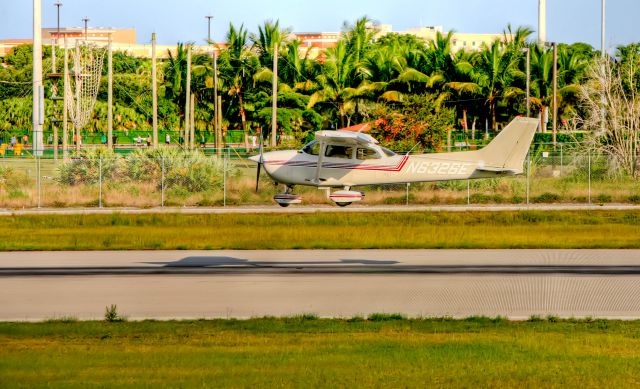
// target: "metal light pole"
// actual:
[[603, 45], [37, 118], [216, 105], [54, 45], [86, 22], [542, 22], [209, 17], [555, 93], [603, 22]]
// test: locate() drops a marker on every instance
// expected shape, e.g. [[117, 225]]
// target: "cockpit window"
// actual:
[[366, 153], [312, 148], [336, 151]]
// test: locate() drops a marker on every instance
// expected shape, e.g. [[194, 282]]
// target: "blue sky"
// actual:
[[568, 20]]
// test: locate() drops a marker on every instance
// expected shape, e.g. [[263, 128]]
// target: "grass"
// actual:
[[527, 229], [309, 352]]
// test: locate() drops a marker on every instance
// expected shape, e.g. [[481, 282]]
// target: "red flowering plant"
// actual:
[[415, 123]]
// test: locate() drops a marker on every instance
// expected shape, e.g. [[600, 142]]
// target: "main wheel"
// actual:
[[343, 204], [283, 205]]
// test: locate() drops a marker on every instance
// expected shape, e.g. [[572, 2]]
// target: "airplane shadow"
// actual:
[[230, 262]]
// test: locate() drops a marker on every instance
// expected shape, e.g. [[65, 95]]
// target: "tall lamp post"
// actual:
[[86, 21], [554, 46], [603, 52], [216, 105]]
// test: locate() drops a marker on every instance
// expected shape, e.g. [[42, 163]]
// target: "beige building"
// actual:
[[100, 35], [459, 41], [315, 42]]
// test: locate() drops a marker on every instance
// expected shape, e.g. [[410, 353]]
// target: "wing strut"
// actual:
[[320, 160]]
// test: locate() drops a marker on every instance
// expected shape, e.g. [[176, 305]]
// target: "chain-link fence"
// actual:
[[226, 178]]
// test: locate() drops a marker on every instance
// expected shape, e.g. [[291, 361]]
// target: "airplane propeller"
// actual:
[[260, 161]]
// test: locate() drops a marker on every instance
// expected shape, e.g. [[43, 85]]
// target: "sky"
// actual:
[[184, 20]]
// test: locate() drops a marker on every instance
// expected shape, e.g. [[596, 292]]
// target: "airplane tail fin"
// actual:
[[509, 149]]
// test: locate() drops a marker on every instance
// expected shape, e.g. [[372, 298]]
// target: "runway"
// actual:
[[330, 283]]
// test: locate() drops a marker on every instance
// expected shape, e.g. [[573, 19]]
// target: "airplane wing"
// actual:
[[345, 137]]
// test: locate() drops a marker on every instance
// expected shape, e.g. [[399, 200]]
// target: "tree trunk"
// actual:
[[464, 119], [543, 113], [492, 107], [243, 117]]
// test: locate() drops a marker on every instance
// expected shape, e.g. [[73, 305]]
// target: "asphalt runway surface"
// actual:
[[330, 283]]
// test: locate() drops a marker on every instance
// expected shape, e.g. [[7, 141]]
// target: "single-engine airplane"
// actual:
[[344, 160]]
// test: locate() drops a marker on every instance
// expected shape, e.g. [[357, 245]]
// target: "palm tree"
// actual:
[[238, 64], [336, 83], [494, 71]]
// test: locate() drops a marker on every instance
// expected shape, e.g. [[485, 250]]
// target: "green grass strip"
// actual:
[[311, 352], [525, 229]]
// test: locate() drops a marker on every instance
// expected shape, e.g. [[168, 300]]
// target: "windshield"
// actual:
[[388, 152], [312, 148]]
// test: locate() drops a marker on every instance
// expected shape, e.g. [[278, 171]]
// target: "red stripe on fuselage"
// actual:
[[385, 168]]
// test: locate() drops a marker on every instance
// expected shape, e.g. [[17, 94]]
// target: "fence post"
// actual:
[[561, 159], [408, 185], [589, 170], [100, 182], [224, 178], [39, 181], [528, 174], [162, 184]]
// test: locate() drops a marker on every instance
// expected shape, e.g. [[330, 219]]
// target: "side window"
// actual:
[[365, 153], [312, 148], [335, 151]]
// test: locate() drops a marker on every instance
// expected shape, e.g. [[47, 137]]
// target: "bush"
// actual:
[[386, 317], [189, 171], [548, 198], [635, 199], [111, 314], [86, 168]]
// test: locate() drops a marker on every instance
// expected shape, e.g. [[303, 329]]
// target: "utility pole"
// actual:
[[110, 95], [555, 94], [54, 72], [542, 22], [55, 42], [154, 89], [216, 104], [192, 125], [187, 103], [274, 112], [86, 21], [209, 17], [603, 56], [65, 107], [37, 118]]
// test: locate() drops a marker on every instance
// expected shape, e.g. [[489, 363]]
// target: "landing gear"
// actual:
[[345, 197], [287, 198]]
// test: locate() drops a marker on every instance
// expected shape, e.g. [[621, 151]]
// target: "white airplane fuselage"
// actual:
[[298, 168]]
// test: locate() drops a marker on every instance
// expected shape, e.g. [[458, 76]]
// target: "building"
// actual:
[[124, 40], [98, 35], [315, 42]]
